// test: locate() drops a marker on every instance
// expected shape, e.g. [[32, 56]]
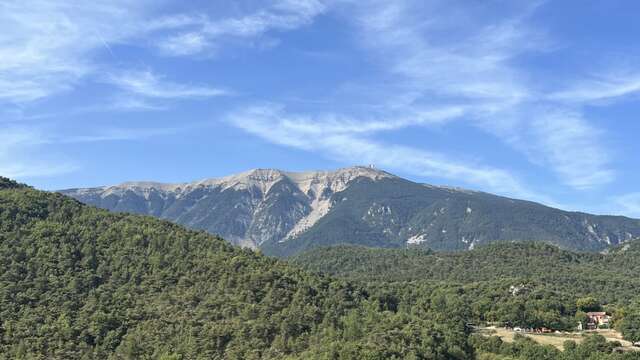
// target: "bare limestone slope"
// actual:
[[286, 212]]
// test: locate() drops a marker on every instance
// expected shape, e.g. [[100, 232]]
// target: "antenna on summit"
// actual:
[[371, 166]]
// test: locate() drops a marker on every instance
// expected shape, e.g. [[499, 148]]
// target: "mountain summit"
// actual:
[[249, 209], [287, 212]]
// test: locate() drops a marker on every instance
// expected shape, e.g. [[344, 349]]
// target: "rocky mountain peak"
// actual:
[[310, 180], [335, 180], [263, 179], [284, 212]]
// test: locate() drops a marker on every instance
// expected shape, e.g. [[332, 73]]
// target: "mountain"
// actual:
[[284, 213], [78, 282]]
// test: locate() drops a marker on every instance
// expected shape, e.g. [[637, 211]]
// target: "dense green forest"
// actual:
[[77, 282], [612, 278], [524, 284]]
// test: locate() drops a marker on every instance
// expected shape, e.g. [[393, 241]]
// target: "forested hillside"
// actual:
[[611, 277], [520, 284], [77, 282]]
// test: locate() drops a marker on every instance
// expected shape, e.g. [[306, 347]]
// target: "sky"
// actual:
[[529, 99]]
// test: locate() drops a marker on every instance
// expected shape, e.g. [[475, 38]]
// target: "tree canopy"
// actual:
[[78, 282], [81, 283], [522, 284]]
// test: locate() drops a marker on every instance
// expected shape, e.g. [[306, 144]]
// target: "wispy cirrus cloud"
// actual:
[[350, 143], [613, 85], [185, 44], [125, 102], [437, 63], [338, 124], [468, 76], [571, 144], [20, 156], [201, 34], [147, 84], [25, 151], [474, 68], [50, 47], [115, 134], [47, 47], [629, 204], [471, 62]]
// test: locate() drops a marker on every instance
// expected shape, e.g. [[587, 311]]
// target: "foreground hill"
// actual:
[[81, 283], [285, 213], [78, 282]]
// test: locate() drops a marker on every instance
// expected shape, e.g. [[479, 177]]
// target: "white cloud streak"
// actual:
[[475, 69], [50, 47], [469, 64], [147, 84], [115, 134], [200, 34], [469, 77], [47, 47], [26, 151], [629, 204], [450, 65], [567, 142], [605, 87], [17, 160], [347, 144]]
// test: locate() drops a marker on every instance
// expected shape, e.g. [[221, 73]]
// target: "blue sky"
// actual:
[[534, 100]]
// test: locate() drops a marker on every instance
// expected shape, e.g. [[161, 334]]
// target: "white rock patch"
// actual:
[[417, 239]]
